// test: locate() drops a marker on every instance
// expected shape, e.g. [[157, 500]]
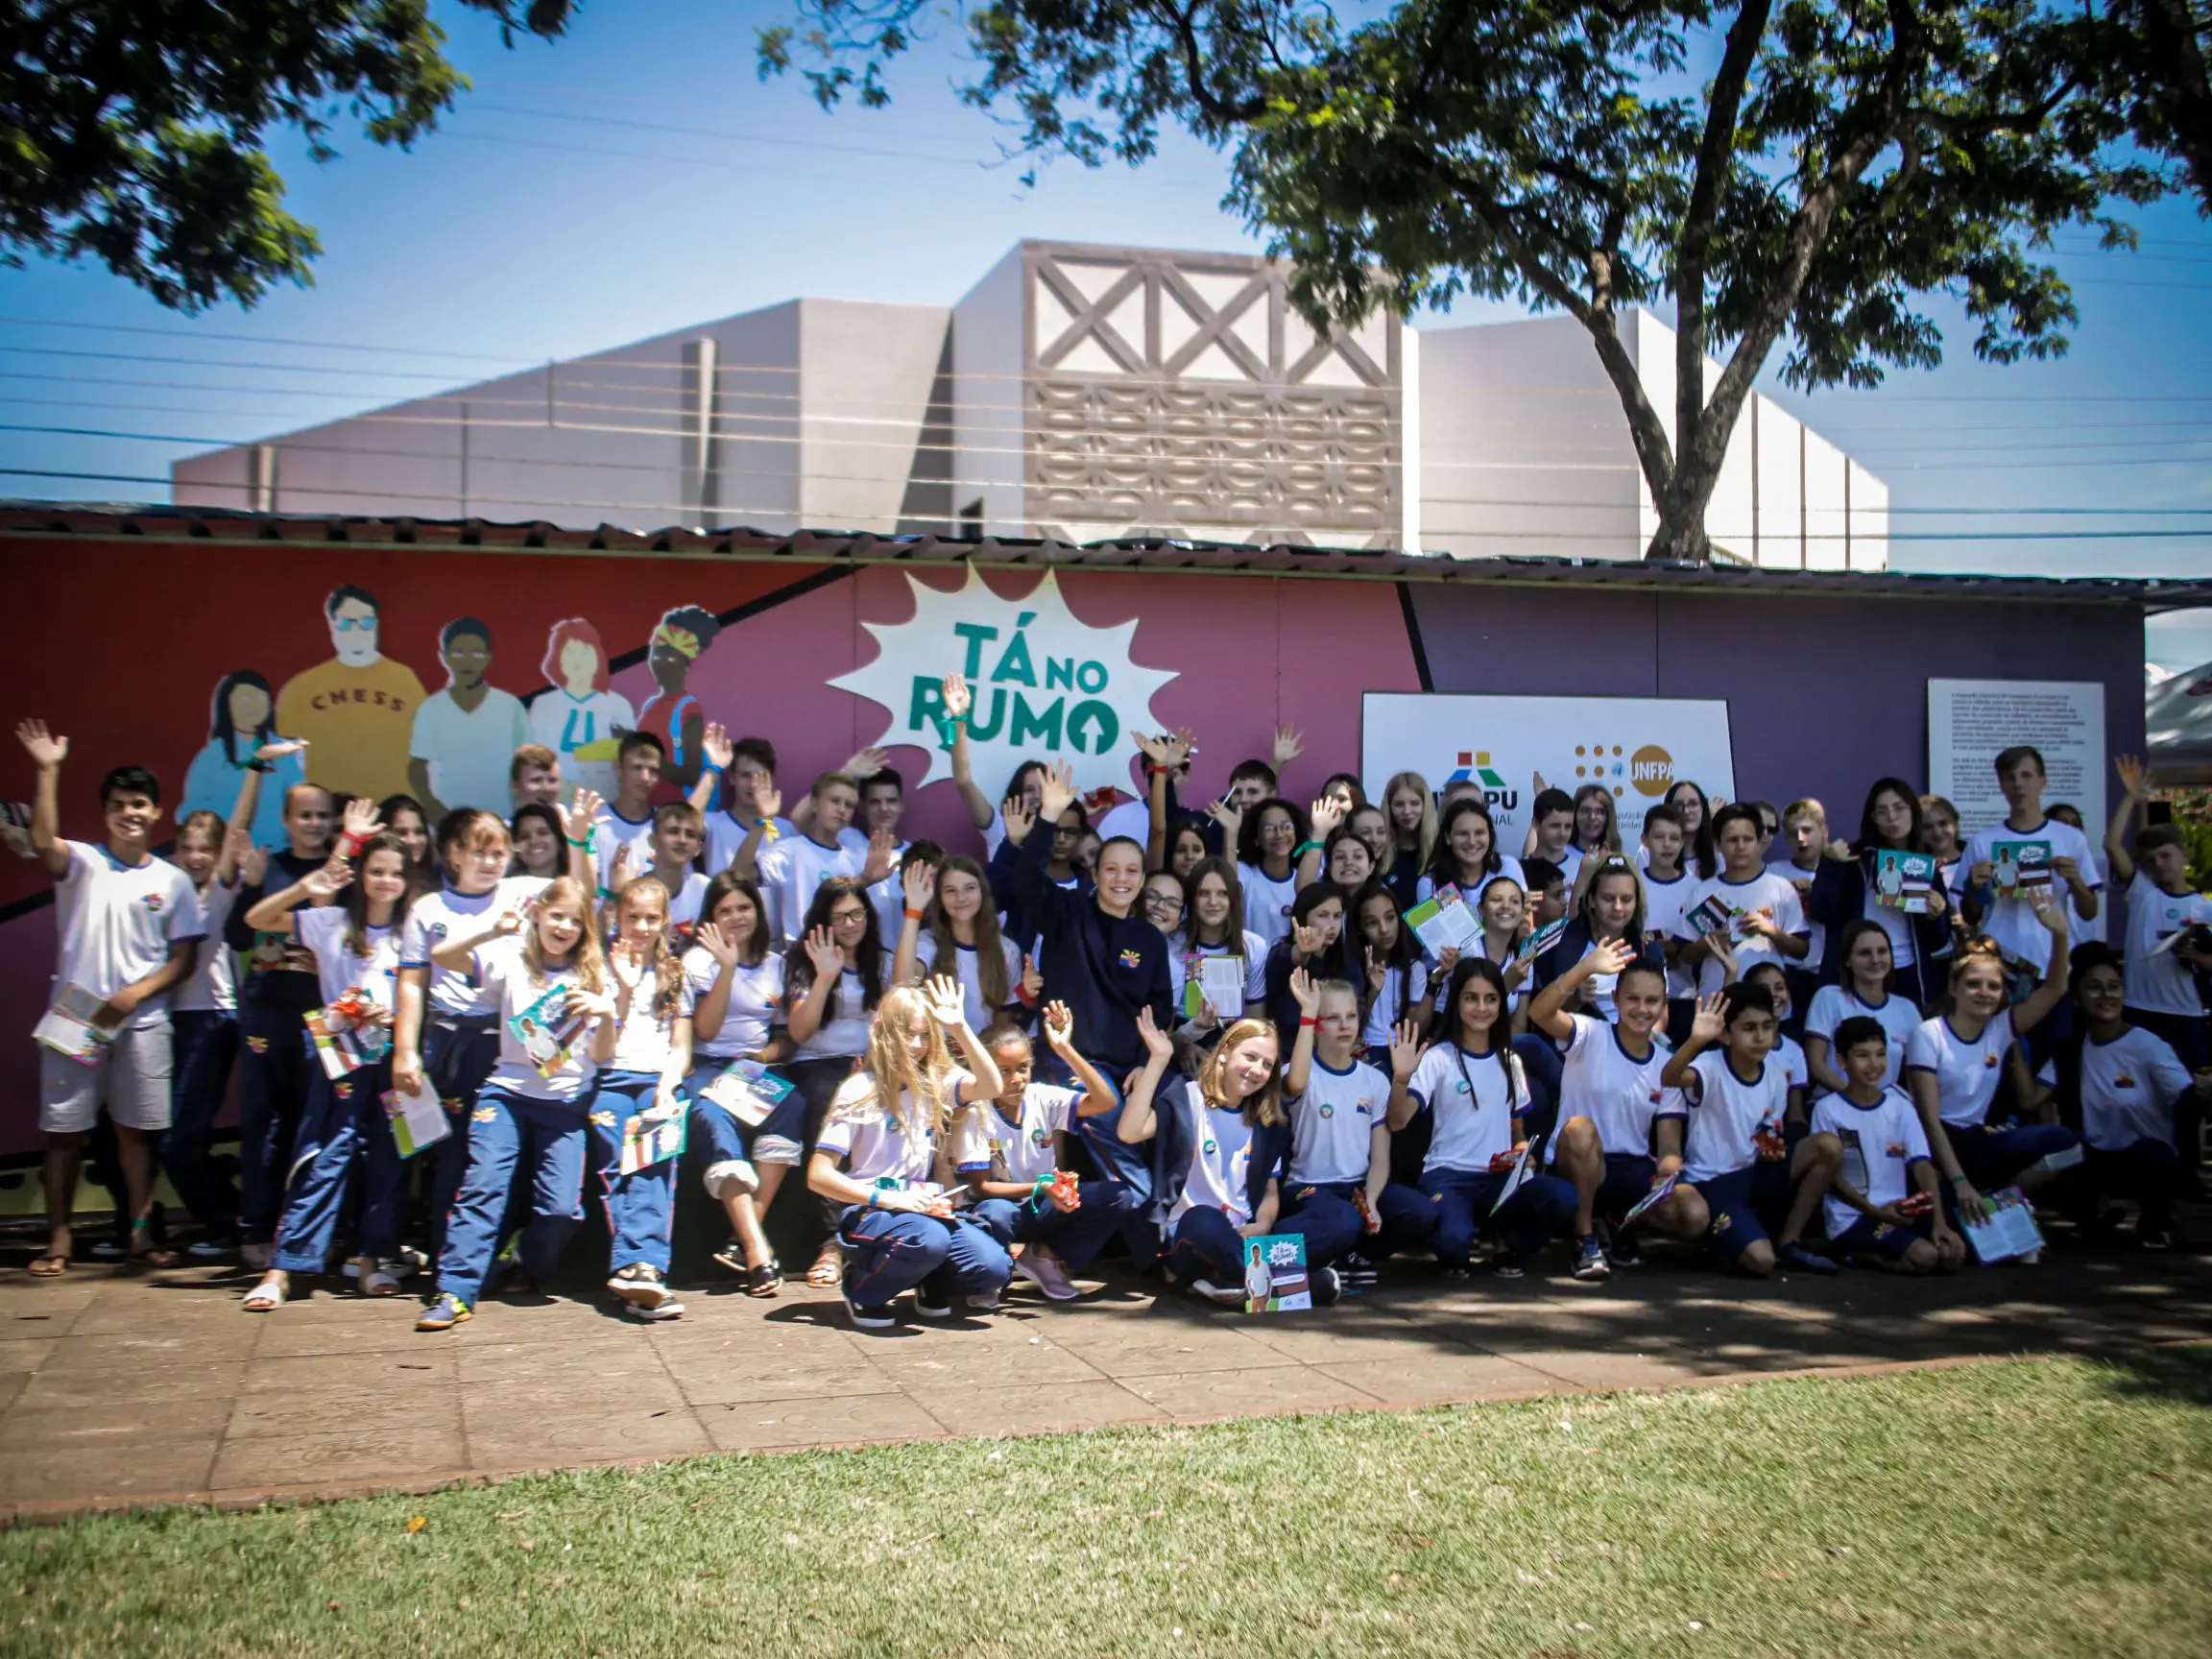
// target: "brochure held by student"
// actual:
[[748, 1091], [68, 1026], [1217, 979], [1540, 941], [1905, 881], [2021, 867], [346, 1037], [547, 1030], [2007, 1230], [418, 1119], [1275, 1276], [1443, 922], [653, 1137]]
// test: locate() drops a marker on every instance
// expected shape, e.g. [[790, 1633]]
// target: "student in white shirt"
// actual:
[[881, 1161], [1336, 1186], [1736, 1151], [737, 1007], [1617, 1135], [1668, 888], [1026, 786], [793, 869], [1412, 809], [557, 1024], [356, 945], [1863, 952], [1346, 863], [1223, 1136], [622, 836], [1467, 854], [533, 775], [833, 980], [1596, 826], [1009, 1154], [1504, 910], [540, 842], [1551, 833], [1399, 987], [1882, 1206], [2008, 918], [2129, 1083], [1941, 838], [2168, 946], [948, 926], [748, 821], [1216, 928], [1270, 843], [679, 834], [129, 928], [1955, 1062], [1471, 1086], [1805, 827], [1761, 907], [1789, 1053]]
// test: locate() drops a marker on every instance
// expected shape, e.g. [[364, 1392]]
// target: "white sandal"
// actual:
[[267, 1296]]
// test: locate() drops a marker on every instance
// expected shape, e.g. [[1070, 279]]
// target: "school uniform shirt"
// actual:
[[986, 1144], [116, 923], [1470, 1101], [1333, 1123], [436, 917], [1664, 903], [1402, 988], [1619, 1093], [1267, 902], [887, 898], [214, 988], [581, 732], [338, 969], [469, 751], [792, 871], [755, 1005], [968, 969], [1790, 1054], [645, 1040], [683, 904], [878, 1150], [725, 836], [1764, 891], [2159, 981], [2129, 1088], [2011, 921], [1220, 1175], [1726, 1114], [1471, 895], [1816, 932], [1250, 944], [1966, 1073], [1880, 1145], [843, 1032], [1833, 1004], [501, 966], [611, 832]]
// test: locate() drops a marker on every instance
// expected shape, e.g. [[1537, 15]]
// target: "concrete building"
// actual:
[[1081, 393]]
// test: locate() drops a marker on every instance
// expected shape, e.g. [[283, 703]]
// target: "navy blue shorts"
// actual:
[[1869, 1237], [1740, 1199], [1628, 1178]]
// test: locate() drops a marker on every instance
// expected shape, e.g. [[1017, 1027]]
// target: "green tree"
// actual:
[[132, 133], [1795, 176], [2151, 52]]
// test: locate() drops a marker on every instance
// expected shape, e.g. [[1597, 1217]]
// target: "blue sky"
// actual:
[[637, 178]]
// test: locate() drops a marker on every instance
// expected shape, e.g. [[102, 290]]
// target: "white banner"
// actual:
[[1637, 747], [1971, 721]]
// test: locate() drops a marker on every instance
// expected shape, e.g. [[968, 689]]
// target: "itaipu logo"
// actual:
[[1475, 768], [1045, 685]]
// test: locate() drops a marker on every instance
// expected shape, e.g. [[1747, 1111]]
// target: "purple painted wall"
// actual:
[[1824, 694]]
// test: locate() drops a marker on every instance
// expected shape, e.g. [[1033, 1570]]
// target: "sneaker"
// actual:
[[1514, 1267], [982, 1302], [257, 1256], [870, 1319], [671, 1309], [1590, 1260], [1328, 1286], [1619, 1246], [1357, 1269], [444, 1314], [640, 1287], [212, 1248], [1805, 1258], [1213, 1292], [929, 1309], [1048, 1275]]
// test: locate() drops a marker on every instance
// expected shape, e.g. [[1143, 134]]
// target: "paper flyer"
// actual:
[[2007, 1230], [1517, 1176], [1541, 940], [1217, 980], [1710, 915], [1275, 1277], [2020, 867], [1443, 922], [1657, 1195], [653, 1137], [418, 1119], [1905, 881], [341, 1045], [548, 1031], [748, 1091], [68, 1026]]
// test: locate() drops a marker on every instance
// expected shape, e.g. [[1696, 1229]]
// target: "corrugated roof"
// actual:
[[22, 520]]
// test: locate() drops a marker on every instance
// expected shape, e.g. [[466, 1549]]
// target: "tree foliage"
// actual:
[[1800, 177], [132, 133]]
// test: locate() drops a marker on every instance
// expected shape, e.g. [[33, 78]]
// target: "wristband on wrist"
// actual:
[[573, 842], [912, 914], [256, 765], [1305, 1020], [1026, 995], [1306, 847]]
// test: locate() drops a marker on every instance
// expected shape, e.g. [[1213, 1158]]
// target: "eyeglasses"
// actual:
[[1162, 901]]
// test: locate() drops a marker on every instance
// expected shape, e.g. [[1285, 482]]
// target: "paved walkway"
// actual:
[[120, 1389]]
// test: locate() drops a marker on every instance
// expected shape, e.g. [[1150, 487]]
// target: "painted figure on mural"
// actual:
[[356, 712], [466, 735], [672, 713], [241, 719], [582, 717]]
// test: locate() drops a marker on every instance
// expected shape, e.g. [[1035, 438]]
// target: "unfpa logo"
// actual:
[[1651, 771], [1475, 768]]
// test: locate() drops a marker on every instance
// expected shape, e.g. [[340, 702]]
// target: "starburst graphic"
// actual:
[[1047, 686]]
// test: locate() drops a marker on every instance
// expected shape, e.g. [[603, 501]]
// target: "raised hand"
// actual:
[[1712, 1022], [579, 815], [714, 743], [619, 876], [882, 854], [510, 920], [1405, 1048], [2134, 774], [43, 747], [253, 864], [919, 882], [359, 821], [865, 764], [717, 943], [1056, 790], [1059, 1027], [1326, 814], [1157, 1043], [326, 883], [1289, 744], [1306, 993], [957, 701], [1607, 956], [2048, 911], [768, 802], [822, 951], [1377, 972], [1017, 820], [1307, 939], [1447, 959], [947, 1002], [1032, 978]]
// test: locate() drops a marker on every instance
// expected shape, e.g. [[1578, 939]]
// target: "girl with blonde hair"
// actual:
[[1411, 806], [881, 1159]]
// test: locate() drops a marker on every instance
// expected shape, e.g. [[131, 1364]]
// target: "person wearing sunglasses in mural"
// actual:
[[241, 723], [355, 712], [672, 713]]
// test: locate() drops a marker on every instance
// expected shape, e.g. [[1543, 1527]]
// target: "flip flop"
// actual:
[[827, 1273], [265, 1297], [49, 1266]]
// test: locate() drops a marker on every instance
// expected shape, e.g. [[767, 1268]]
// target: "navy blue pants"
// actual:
[[344, 1125], [1744, 1202], [893, 1251], [546, 1137], [641, 1206], [456, 1060], [1540, 1210], [275, 1071], [1335, 1228], [1129, 1167], [205, 1046], [1075, 1236], [2151, 1173], [1203, 1243], [779, 1138], [1994, 1158]]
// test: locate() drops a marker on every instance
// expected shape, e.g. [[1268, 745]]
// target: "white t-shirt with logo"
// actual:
[[1764, 891], [792, 871], [725, 836], [1267, 901], [1726, 1114], [1966, 1073], [116, 923], [501, 968], [2129, 1088], [1833, 1004], [1470, 1101], [2011, 921], [1402, 988], [1621, 1094], [321, 930], [1333, 1123], [968, 969], [645, 1040], [1220, 1175], [986, 1144], [1880, 1145], [843, 1030], [214, 988], [436, 917], [2159, 981], [754, 1008], [1664, 903], [877, 1149], [611, 832]]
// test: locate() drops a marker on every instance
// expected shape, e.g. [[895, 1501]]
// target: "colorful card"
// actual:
[[1275, 1276], [1905, 881], [1710, 915], [340, 1043], [748, 1091], [653, 1137], [68, 1026], [1218, 979], [1517, 1176], [2020, 868], [1660, 1189], [1443, 922], [548, 1031], [1541, 940], [418, 1119], [2007, 1230]]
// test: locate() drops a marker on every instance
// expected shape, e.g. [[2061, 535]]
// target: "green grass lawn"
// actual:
[[2025, 1507]]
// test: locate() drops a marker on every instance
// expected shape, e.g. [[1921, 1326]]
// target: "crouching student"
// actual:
[[1337, 1189], [1735, 1151], [1612, 1115], [642, 1078], [878, 1160], [1009, 1154], [356, 949], [2129, 1082], [1221, 1140], [1472, 1086], [736, 997], [1882, 1206], [557, 1024]]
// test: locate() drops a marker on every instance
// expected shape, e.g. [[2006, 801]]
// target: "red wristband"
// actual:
[[354, 843], [1305, 1020], [1023, 994], [912, 914]]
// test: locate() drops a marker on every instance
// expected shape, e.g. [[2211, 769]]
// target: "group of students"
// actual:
[[1182, 1029]]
